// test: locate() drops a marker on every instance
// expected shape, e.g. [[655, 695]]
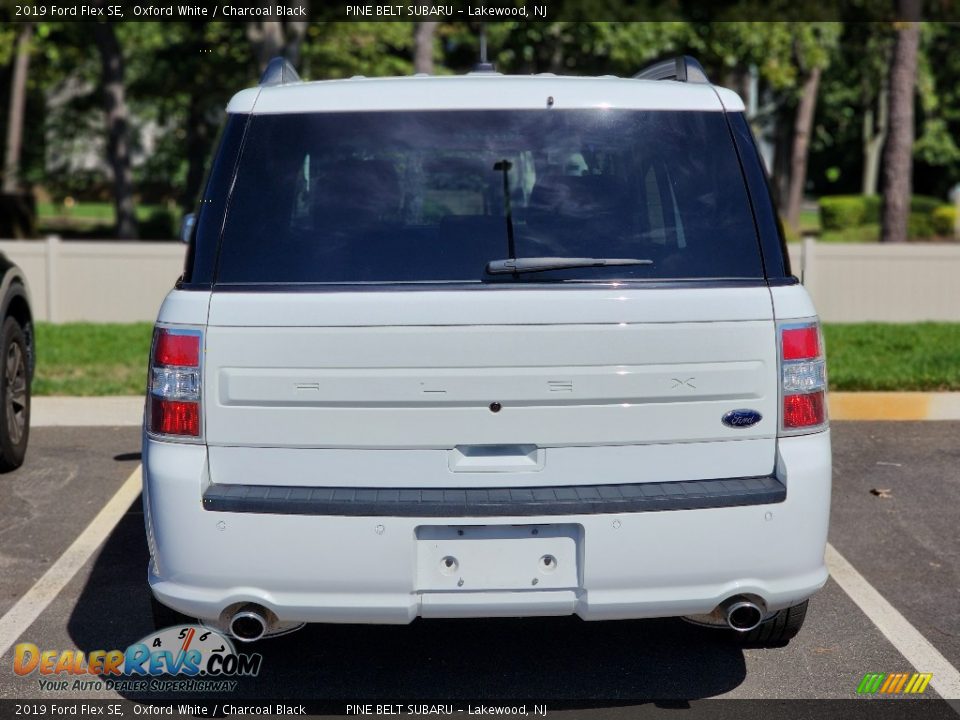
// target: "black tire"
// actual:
[[164, 617], [14, 396], [776, 631]]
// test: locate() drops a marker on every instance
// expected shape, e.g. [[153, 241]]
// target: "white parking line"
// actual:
[[895, 627], [21, 616]]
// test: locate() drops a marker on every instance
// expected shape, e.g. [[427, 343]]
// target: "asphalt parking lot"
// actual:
[[905, 545]]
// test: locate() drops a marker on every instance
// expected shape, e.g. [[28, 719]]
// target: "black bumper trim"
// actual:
[[489, 502]]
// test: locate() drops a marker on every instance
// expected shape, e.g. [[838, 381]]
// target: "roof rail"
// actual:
[[279, 72], [682, 69]]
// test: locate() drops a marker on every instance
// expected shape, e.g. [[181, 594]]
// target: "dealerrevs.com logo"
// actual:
[[186, 658]]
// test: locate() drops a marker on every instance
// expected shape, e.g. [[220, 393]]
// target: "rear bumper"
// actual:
[[494, 502], [323, 568]]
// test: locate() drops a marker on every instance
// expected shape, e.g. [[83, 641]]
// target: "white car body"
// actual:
[[602, 386]]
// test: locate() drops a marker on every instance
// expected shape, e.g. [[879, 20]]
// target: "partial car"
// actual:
[[484, 346], [18, 357]]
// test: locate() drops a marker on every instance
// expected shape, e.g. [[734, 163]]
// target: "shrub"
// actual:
[[839, 212], [162, 224], [944, 220], [842, 213], [872, 205], [924, 204], [920, 226]]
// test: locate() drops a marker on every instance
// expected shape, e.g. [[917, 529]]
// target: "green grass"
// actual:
[[97, 211], [97, 220], [111, 359], [92, 359], [881, 356], [85, 210]]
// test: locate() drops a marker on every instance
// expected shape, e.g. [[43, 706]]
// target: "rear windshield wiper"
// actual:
[[542, 264]]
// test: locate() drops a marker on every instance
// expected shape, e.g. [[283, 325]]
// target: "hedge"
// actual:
[[845, 212], [945, 220]]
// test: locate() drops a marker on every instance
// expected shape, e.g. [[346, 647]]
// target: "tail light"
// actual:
[[803, 374], [173, 392]]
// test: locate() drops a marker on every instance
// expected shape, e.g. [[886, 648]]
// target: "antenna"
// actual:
[[484, 65]]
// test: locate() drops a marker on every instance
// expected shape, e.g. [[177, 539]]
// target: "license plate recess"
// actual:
[[498, 557]]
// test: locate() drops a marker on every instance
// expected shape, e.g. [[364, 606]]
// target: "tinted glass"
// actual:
[[202, 251], [776, 259], [425, 196]]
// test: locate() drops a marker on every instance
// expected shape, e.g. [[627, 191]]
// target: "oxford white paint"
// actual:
[[482, 92], [419, 370], [653, 462], [489, 306], [207, 560]]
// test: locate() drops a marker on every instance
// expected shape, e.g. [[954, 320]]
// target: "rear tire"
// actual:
[[14, 396], [776, 631]]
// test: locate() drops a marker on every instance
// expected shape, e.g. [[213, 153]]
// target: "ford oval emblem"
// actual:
[[742, 418]]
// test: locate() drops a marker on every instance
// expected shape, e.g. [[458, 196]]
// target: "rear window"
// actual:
[[414, 197]]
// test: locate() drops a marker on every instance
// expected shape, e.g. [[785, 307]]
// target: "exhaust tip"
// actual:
[[249, 623], [743, 615]]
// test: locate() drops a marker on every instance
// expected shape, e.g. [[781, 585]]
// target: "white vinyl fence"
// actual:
[[98, 281], [111, 281], [860, 282]]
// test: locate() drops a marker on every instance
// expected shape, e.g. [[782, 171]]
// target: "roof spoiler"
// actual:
[[682, 69], [279, 72]]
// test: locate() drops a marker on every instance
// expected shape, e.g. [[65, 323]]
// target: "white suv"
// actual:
[[487, 346]]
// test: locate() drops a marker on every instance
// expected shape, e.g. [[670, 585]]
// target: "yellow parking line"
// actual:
[[879, 405]]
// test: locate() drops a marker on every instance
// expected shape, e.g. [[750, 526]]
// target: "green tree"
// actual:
[[812, 48], [790, 58], [181, 81], [117, 115], [936, 153], [18, 97]]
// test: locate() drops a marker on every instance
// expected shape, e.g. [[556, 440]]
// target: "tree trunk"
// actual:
[[18, 99], [801, 146], [780, 172], [874, 136], [556, 63], [267, 40], [898, 150], [118, 129], [296, 32], [423, 47]]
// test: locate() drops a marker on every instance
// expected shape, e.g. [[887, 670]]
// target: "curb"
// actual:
[[111, 411], [126, 410], [894, 405]]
